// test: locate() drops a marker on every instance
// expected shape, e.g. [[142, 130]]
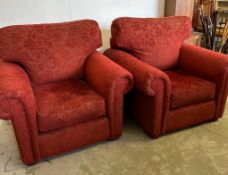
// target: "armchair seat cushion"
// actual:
[[187, 89], [67, 103]]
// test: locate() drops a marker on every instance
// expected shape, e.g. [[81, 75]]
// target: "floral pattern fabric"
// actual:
[[50, 52]]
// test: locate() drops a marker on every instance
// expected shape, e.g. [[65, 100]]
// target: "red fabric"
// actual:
[[70, 113], [53, 52], [74, 137], [208, 65], [111, 81], [166, 101], [146, 111], [18, 102], [152, 39], [190, 115], [21, 128], [63, 104], [144, 74], [188, 89], [149, 81]]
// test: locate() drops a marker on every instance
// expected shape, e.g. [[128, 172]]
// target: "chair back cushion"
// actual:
[[50, 52], [155, 41]]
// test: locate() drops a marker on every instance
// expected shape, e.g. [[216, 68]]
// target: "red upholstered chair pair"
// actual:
[[59, 92], [177, 85]]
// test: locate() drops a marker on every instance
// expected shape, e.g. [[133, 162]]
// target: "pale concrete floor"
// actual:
[[202, 150]]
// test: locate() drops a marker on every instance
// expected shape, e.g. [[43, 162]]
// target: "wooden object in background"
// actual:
[[223, 4], [195, 39], [222, 26], [211, 17], [179, 8]]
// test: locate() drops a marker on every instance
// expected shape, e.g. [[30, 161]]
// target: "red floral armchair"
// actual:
[[177, 85], [59, 92]]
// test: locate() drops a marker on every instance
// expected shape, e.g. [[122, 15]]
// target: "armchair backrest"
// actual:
[[50, 52], [156, 41]]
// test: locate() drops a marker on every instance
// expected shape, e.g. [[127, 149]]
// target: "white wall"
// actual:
[[104, 11]]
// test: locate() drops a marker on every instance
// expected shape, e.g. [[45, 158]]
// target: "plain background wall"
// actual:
[[103, 11]]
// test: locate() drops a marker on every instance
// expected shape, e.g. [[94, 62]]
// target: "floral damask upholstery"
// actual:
[[151, 39], [177, 85], [67, 103], [184, 94], [50, 53], [59, 92]]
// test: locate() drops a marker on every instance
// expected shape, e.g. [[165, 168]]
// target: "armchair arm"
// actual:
[[209, 65], [17, 103], [202, 62], [14, 84], [112, 82], [145, 76], [149, 81]]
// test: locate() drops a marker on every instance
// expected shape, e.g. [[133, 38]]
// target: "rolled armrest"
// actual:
[[112, 82], [209, 65], [15, 84], [202, 62], [145, 76], [149, 81], [17, 103], [102, 73]]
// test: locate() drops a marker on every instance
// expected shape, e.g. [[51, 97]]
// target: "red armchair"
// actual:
[[177, 85], [58, 91]]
